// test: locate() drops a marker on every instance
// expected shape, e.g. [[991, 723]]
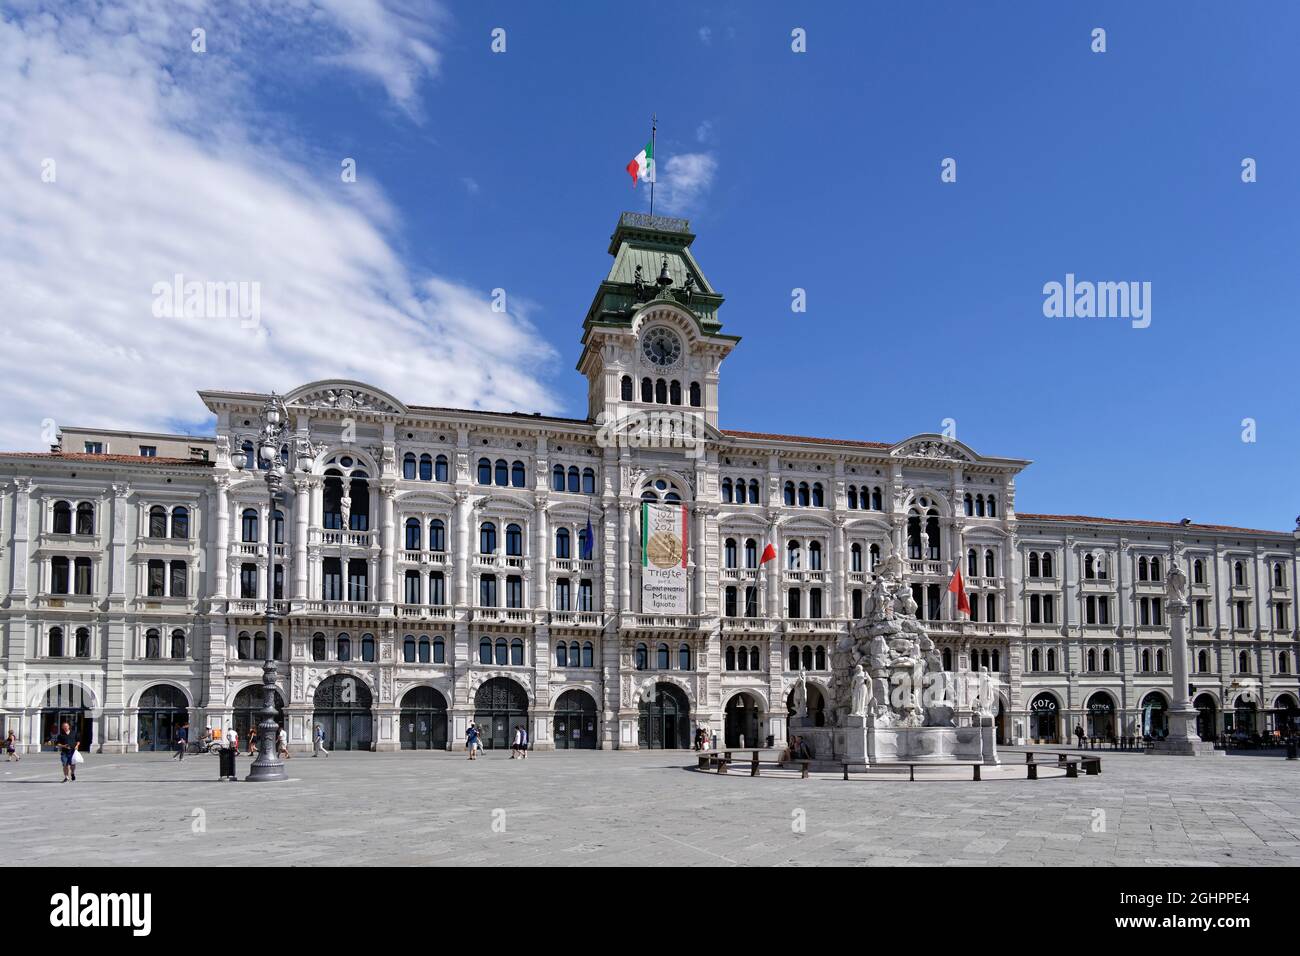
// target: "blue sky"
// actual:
[[924, 298]]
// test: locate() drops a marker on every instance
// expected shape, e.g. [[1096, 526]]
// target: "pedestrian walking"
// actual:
[[66, 741], [11, 748], [318, 742], [523, 741], [182, 741], [282, 743], [472, 741], [1078, 732], [226, 756], [516, 742]]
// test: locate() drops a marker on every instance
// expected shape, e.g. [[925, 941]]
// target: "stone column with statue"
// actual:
[[1182, 738]]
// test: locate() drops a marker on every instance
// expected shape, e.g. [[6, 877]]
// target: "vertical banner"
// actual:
[[663, 558]]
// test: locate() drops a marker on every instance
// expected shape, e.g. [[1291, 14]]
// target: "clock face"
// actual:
[[662, 347]]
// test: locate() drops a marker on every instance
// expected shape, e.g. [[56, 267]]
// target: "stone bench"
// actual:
[[911, 767]]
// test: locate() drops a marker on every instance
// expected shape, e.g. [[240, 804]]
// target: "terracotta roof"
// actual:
[[110, 459], [1191, 525], [816, 441]]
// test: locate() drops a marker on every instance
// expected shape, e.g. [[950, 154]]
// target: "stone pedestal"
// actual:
[[1182, 739]]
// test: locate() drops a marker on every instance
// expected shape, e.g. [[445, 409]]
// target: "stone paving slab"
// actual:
[[642, 808]]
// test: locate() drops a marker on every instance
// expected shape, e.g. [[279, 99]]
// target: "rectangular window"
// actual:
[[1049, 609], [1103, 610], [148, 451], [358, 580], [815, 602], [94, 448], [562, 595], [584, 595], [248, 581], [1200, 612], [332, 580], [487, 591], [200, 454], [514, 591], [82, 584]]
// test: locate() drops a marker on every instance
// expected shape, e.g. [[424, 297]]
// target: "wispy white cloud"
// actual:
[[683, 181], [704, 132], [163, 165], [706, 35]]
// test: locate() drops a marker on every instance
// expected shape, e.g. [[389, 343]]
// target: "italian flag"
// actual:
[[643, 166]]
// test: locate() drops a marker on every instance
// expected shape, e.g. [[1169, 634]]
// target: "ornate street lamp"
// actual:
[[275, 457]]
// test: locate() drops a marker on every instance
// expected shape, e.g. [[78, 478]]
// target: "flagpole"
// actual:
[[654, 161]]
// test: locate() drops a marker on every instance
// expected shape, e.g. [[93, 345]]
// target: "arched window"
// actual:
[[557, 478], [814, 555], [588, 481], [1092, 659], [818, 496], [437, 535], [972, 563], [874, 554], [487, 538], [86, 518], [426, 467], [753, 491], [1033, 564], [675, 392], [367, 647], [408, 649], [248, 526], [517, 652], [180, 521], [562, 543], [993, 507], [561, 654], [729, 553], [157, 522], [740, 492], [318, 647], [413, 534], [575, 480], [501, 651], [647, 391], [1198, 571], [1146, 660], [731, 658], [1203, 661], [56, 642], [626, 388], [684, 657], [794, 658], [807, 657], [1239, 574], [1034, 660], [514, 540], [788, 493], [485, 651], [820, 657], [518, 477], [1160, 661], [695, 394], [408, 465], [855, 557], [661, 391], [969, 502], [439, 651], [803, 494], [979, 506], [989, 564], [640, 658], [1051, 659], [343, 647], [152, 644], [662, 661], [588, 655], [726, 490], [1243, 663], [502, 473], [440, 468], [1047, 564], [1105, 660], [1155, 569], [62, 523], [751, 553], [484, 471], [794, 555]]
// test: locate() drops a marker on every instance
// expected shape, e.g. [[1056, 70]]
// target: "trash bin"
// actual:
[[715, 741], [226, 762]]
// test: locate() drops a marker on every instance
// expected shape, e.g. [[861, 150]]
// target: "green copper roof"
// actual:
[[660, 246]]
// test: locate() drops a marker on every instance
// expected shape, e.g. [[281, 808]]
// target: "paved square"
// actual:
[[586, 807]]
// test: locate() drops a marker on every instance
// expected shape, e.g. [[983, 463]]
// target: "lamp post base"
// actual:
[[1183, 740]]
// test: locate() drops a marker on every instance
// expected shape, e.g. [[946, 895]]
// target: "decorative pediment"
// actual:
[[932, 447], [344, 395]]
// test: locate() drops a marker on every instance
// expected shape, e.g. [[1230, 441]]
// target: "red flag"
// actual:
[[769, 554], [958, 587]]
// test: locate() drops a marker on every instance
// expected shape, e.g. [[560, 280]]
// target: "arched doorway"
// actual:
[[1101, 716], [575, 721], [1207, 717], [71, 704], [247, 711], [741, 721], [1154, 716], [161, 711], [1286, 714], [499, 706], [1244, 714], [423, 720], [665, 719], [816, 706], [1000, 722], [1045, 719], [341, 706]]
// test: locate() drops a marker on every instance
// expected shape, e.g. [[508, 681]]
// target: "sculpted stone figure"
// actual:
[[1176, 584], [861, 696], [801, 695], [985, 704], [345, 507]]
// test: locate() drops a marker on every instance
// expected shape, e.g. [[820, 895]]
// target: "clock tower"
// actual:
[[651, 340]]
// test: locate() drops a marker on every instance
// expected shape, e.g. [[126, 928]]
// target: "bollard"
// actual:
[[1290, 749]]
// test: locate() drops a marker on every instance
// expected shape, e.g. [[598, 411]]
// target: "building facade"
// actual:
[[429, 567]]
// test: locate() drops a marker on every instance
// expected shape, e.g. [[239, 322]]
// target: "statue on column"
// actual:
[[801, 695], [1176, 584], [345, 506]]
